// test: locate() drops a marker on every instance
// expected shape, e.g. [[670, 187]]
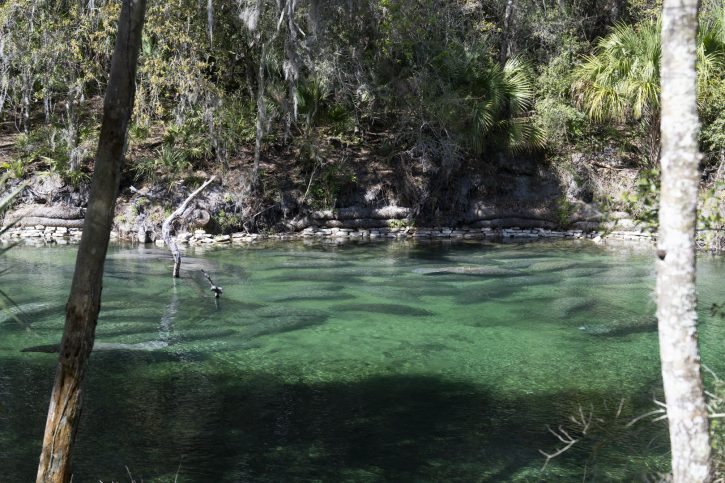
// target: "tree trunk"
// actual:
[[84, 301], [676, 297], [505, 51], [261, 115]]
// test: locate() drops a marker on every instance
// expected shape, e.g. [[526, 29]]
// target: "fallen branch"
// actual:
[[166, 227], [565, 438]]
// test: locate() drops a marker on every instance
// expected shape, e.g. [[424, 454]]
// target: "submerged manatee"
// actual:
[[285, 322], [388, 309], [553, 265], [474, 271], [620, 328]]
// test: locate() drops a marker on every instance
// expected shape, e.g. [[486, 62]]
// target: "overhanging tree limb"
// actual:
[[84, 302]]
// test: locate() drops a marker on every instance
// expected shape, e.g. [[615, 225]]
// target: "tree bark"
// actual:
[[676, 296], [505, 51], [168, 223], [84, 301]]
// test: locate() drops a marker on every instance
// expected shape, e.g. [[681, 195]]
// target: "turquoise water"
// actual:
[[357, 362]]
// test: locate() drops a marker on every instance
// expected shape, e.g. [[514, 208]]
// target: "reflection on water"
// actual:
[[359, 362]]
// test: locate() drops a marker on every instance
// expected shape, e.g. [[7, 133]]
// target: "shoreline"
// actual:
[[49, 235]]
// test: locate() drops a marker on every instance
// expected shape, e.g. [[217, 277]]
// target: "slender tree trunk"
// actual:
[[84, 301], [505, 51], [261, 114], [676, 297]]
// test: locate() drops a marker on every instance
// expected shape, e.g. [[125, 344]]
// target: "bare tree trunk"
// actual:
[[676, 296], [261, 114], [168, 223], [505, 51], [84, 301]]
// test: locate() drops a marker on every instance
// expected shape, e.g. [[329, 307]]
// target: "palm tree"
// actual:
[[620, 81]]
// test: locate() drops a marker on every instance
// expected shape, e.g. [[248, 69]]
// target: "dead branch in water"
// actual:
[[214, 288], [166, 227]]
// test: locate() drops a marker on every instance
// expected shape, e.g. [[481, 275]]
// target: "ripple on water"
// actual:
[[350, 364]]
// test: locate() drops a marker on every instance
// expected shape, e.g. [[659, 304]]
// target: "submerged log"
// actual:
[[166, 227]]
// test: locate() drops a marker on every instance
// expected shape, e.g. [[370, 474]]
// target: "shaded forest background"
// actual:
[[318, 104]]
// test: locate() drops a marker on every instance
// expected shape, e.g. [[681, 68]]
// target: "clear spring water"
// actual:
[[351, 363]]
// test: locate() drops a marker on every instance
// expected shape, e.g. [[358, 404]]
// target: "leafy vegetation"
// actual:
[[428, 87]]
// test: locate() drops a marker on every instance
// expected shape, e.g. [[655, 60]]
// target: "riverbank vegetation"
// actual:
[[300, 99]]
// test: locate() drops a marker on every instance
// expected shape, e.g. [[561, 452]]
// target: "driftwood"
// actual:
[[166, 227]]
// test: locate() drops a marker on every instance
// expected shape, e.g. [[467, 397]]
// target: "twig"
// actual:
[[309, 185], [712, 373], [176, 476], [619, 410], [651, 413], [564, 438], [260, 212]]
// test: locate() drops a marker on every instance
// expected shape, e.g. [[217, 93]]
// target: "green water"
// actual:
[[358, 362]]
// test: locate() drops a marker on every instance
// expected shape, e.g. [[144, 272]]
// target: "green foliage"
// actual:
[[400, 224], [564, 211], [712, 202], [620, 80], [227, 221], [498, 101], [172, 160], [643, 202], [15, 167], [428, 75], [561, 122]]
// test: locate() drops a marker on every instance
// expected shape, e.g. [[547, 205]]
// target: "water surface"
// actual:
[[359, 362]]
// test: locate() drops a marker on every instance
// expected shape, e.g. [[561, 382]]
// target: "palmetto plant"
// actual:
[[620, 80], [491, 104]]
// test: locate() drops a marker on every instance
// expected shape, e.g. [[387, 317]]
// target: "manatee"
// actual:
[[312, 295], [474, 271], [389, 309], [620, 328], [568, 306], [285, 324], [553, 265]]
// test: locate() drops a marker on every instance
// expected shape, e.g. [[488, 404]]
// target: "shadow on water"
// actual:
[[255, 426]]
